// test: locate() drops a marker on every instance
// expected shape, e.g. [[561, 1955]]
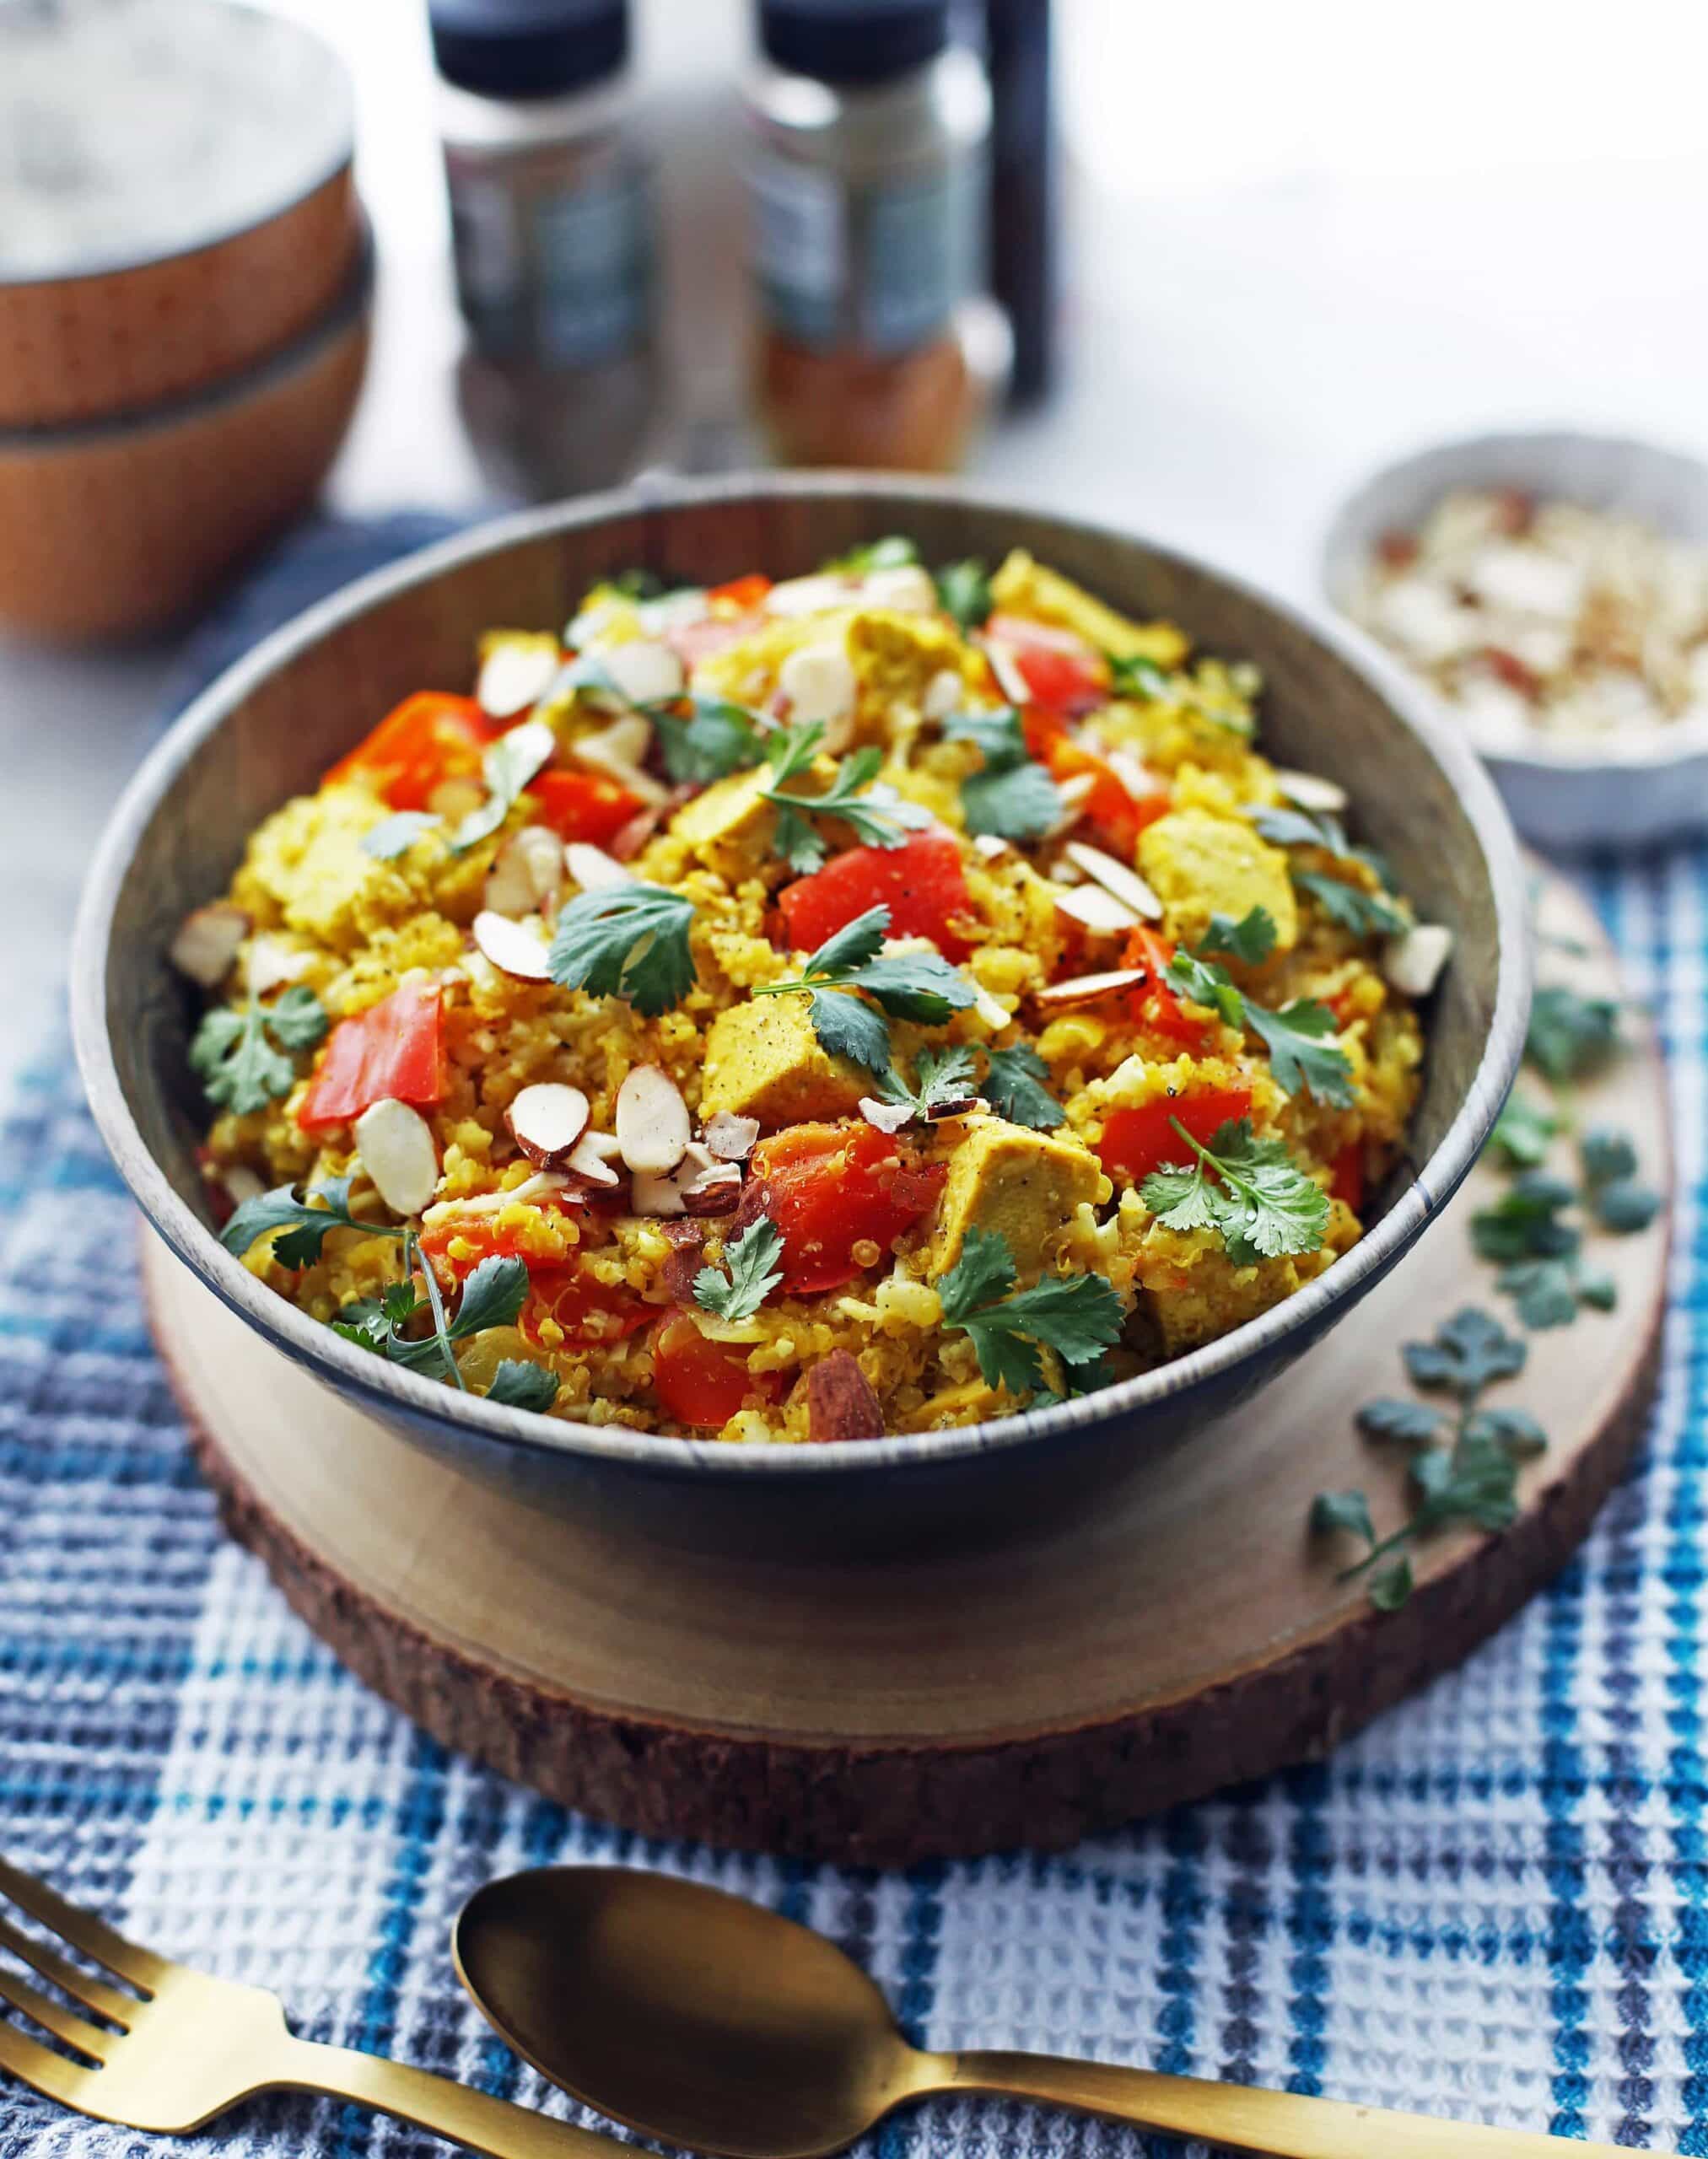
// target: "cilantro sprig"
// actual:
[[1291, 828], [1571, 1035], [1249, 1191], [754, 1272], [1523, 1130], [1464, 1464], [1297, 1037], [851, 967], [893, 552], [241, 1055], [626, 940], [963, 590], [494, 1295], [1073, 1317], [940, 1077], [306, 1224], [1011, 795], [705, 738], [1132, 675], [1365, 914], [506, 767], [876, 813]]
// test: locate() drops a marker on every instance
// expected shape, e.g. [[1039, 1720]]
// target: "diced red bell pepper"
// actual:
[[921, 882], [1059, 668], [1154, 1002], [1136, 1141], [742, 595], [582, 805], [429, 739], [1346, 1176], [587, 1310], [701, 1382], [1115, 816], [393, 1052], [831, 1186]]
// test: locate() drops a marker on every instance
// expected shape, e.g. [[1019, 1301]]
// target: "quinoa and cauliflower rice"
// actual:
[[788, 1012]]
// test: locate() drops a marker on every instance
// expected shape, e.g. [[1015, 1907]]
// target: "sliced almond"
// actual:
[[240, 1184], [206, 942], [1127, 884], [511, 946], [1413, 962], [820, 686], [1138, 779], [652, 1127], [591, 1159], [674, 610], [1310, 791], [1086, 989], [393, 1144], [943, 693], [591, 868], [628, 840], [887, 1117], [698, 1185], [270, 963], [991, 846], [730, 1138], [527, 873], [714, 1191], [1006, 669], [1097, 910], [617, 751], [546, 1120], [509, 889], [808, 595], [643, 669], [515, 674], [908, 588]]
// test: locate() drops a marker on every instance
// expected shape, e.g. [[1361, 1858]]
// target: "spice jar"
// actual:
[[866, 173], [551, 225]]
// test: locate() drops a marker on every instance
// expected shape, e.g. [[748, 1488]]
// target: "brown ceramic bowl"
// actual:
[[272, 724], [119, 526]]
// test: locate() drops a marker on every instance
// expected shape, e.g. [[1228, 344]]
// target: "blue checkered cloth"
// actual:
[[1493, 1905]]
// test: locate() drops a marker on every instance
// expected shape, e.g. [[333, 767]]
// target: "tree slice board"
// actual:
[[1189, 1634]]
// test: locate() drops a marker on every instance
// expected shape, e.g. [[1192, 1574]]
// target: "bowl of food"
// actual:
[[1550, 589], [801, 1009]]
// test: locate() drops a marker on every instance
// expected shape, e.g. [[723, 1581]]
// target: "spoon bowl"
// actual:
[[697, 2017]]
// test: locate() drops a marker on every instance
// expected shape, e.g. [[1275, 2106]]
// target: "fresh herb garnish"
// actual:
[[1523, 1129], [519, 1384], [1132, 675], [1612, 1190], [306, 1225], [627, 940], [1012, 1087], [238, 1054], [876, 814], [1571, 1034], [894, 551], [712, 738], [851, 966], [1248, 1190], [395, 835], [754, 1272], [1464, 1466], [964, 590], [1077, 1317], [1365, 914], [1013, 796], [494, 1295], [1297, 1037], [941, 1076], [507, 767], [1296, 828]]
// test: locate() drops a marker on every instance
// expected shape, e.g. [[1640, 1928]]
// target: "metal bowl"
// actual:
[[273, 723], [1631, 792]]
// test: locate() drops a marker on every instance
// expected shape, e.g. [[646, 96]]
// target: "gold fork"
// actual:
[[175, 2046]]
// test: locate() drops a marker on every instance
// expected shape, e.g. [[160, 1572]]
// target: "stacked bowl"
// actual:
[[186, 288]]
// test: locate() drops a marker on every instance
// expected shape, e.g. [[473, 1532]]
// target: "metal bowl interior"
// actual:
[[274, 722], [1635, 788]]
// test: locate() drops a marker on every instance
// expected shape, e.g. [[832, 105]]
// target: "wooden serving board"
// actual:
[[1188, 1635]]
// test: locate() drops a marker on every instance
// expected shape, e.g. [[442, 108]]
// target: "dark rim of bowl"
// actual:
[[356, 1370], [290, 359]]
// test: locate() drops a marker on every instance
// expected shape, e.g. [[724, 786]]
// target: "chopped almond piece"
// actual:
[[511, 947], [1086, 989], [206, 945], [652, 1126], [393, 1144], [841, 1402], [545, 1121]]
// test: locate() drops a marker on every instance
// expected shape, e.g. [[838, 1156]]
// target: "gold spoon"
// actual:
[[708, 2022]]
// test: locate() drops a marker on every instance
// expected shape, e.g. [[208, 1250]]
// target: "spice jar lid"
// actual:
[[528, 48], [852, 40]]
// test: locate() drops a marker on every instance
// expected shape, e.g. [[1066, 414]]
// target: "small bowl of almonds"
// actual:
[[1551, 589]]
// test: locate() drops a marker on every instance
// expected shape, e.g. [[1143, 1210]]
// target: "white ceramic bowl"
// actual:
[[1562, 793]]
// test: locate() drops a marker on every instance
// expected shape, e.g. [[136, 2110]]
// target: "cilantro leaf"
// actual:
[[856, 944], [964, 590], [494, 1295], [1250, 940], [1515, 1429], [1470, 1352], [876, 815], [1476, 1481], [919, 986], [1523, 1129], [626, 940], [1571, 1034], [1012, 1087], [1607, 1154], [714, 739], [1624, 1206], [1297, 828], [1397, 1417], [235, 1052], [1365, 914], [1207, 982], [1132, 675], [1391, 1587], [395, 835], [1523, 1223], [998, 733], [894, 551], [1347, 1511], [1023, 802], [1077, 1317], [520, 1384], [507, 767], [371, 1321], [1548, 1292], [281, 1210], [1248, 1190], [847, 1026], [1300, 1054], [754, 1272], [941, 1076]]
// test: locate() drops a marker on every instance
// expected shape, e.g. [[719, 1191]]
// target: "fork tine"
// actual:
[[141, 1967], [76, 2031], [70, 1978], [41, 2069]]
